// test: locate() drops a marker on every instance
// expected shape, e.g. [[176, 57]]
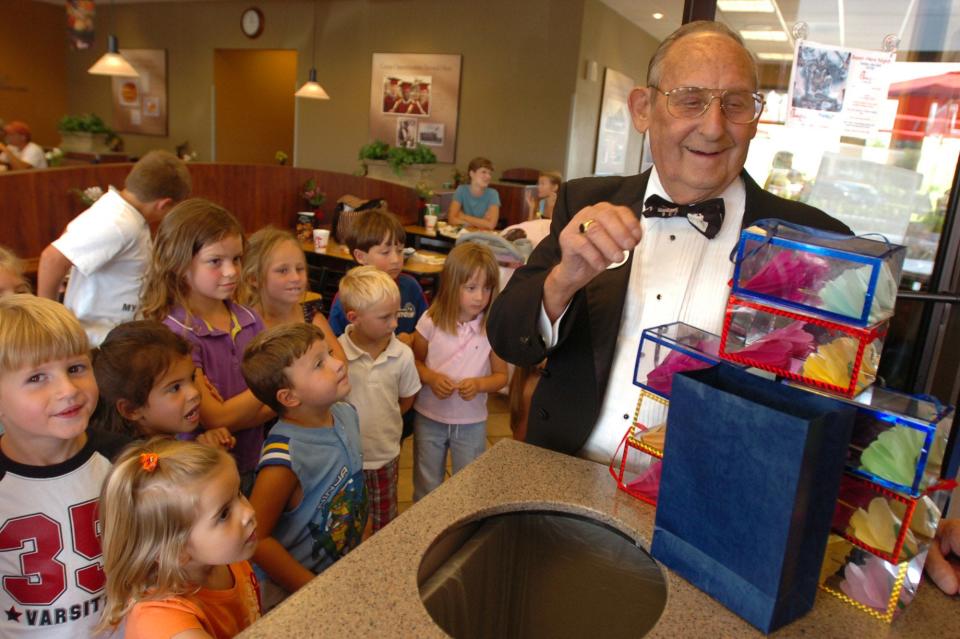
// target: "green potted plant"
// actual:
[[384, 162], [86, 133], [400, 158]]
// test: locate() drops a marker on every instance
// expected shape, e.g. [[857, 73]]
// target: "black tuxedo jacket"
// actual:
[[567, 401]]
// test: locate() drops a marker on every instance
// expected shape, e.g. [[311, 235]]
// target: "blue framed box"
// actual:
[[669, 349], [899, 440], [847, 279]]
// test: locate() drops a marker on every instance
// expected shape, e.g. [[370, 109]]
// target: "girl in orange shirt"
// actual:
[[177, 534]]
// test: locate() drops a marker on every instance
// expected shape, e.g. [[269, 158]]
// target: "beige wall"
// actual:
[[523, 63], [33, 49], [518, 77], [190, 31], [614, 42]]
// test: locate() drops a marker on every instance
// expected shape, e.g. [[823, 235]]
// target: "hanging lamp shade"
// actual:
[[311, 89], [112, 63]]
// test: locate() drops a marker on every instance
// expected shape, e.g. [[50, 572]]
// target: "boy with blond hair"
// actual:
[[51, 471], [376, 239], [309, 494], [383, 381]]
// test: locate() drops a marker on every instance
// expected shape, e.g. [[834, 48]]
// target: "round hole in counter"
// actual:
[[538, 574]]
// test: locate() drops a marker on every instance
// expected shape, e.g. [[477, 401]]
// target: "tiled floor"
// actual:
[[498, 427]]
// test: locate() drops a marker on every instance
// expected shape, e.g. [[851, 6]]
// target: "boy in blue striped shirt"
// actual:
[[309, 494]]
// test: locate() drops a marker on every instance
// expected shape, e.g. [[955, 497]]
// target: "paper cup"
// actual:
[[430, 222], [320, 239]]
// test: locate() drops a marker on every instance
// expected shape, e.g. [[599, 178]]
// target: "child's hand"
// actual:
[[468, 388], [442, 386], [217, 437], [406, 338]]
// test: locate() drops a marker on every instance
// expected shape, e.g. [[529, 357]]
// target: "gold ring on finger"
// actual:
[[586, 225]]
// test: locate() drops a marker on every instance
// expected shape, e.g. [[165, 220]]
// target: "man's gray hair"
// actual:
[[655, 68]]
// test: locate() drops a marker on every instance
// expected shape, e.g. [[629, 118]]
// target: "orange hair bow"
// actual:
[[149, 461]]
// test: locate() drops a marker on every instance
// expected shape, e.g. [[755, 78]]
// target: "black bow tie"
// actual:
[[706, 216]]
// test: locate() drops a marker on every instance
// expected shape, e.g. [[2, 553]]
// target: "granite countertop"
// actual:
[[373, 590]]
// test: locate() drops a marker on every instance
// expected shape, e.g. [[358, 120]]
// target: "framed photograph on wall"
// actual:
[[616, 126], [140, 104], [415, 99]]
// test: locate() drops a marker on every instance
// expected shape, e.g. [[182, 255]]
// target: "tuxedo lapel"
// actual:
[[752, 205], [607, 292]]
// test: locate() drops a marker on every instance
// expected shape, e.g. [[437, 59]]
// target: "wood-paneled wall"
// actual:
[[35, 206]]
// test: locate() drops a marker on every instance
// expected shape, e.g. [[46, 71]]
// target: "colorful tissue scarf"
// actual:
[[790, 275], [778, 348], [845, 294], [893, 455], [879, 527], [833, 363], [660, 378]]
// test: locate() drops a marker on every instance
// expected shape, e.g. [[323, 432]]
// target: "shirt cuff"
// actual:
[[550, 332]]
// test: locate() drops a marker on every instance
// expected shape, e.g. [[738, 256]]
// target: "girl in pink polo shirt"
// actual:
[[457, 367]]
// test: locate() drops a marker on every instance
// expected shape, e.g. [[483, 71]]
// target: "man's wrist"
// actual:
[[556, 293]]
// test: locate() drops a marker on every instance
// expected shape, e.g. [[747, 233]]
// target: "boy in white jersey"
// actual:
[[51, 471]]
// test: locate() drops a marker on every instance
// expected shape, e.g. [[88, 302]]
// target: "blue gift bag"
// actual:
[[750, 479]]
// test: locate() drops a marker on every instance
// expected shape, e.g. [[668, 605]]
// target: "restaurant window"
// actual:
[[893, 176]]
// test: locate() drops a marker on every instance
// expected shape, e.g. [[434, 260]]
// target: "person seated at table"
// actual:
[[377, 239], [20, 152], [476, 205], [548, 185]]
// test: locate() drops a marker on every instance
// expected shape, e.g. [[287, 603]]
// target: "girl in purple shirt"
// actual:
[[189, 286], [457, 367]]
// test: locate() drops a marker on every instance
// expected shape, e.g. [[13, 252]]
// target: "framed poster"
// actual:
[[613, 131], [140, 104], [415, 99]]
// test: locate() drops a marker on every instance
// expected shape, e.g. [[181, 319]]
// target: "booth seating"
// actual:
[[520, 176]]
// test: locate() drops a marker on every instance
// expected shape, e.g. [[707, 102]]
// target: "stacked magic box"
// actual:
[[890, 501], [664, 351], [811, 308], [814, 310]]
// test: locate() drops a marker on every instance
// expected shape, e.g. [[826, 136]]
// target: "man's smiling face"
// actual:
[[697, 158]]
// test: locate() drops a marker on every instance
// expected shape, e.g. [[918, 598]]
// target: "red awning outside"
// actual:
[[946, 85]]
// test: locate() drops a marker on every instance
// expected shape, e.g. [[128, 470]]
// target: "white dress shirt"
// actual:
[[676, 274]]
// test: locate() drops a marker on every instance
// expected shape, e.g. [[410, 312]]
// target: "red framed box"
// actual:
[[889, 525], [831, 356], [637, 462]]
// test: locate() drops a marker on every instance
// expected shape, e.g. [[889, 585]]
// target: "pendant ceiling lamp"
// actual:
[[311, 88], [111, 62]]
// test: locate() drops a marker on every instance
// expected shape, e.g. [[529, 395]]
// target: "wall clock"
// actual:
[[252, 22]]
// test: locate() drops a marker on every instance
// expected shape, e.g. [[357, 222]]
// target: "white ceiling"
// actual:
[[863, 24]]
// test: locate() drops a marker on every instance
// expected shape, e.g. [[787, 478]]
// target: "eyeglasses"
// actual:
[[738, 106]]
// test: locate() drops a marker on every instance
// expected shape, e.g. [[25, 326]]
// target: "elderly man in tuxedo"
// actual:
[[626, 253]]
